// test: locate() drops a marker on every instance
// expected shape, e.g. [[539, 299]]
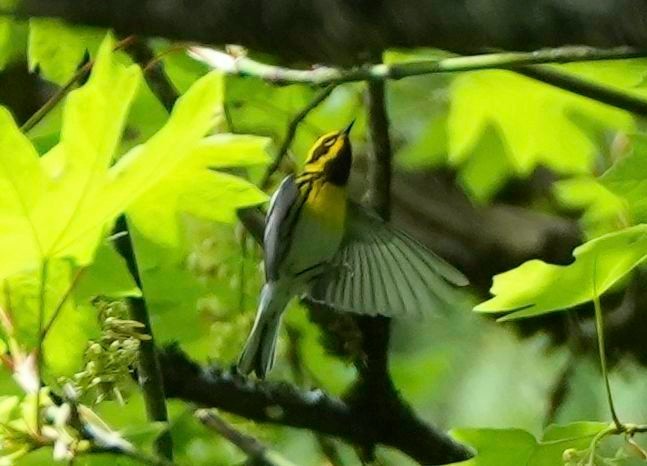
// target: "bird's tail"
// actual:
[[258, 354]]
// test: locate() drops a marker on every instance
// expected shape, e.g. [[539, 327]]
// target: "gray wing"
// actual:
[[284, 204], [382, 270]]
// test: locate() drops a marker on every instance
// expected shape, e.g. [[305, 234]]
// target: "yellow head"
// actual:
[[332, 156]]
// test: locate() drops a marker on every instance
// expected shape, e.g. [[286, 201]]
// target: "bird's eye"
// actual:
[[329, 142]]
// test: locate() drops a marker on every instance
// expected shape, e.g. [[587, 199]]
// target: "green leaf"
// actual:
[[534, 120], [107, 276], [193, 188], [10, 40], [627, 178], [21, 182], [59, 205], [230, 150], [47, 198], [497, 447], [515, 447], [536, 288], [558, 438], [142, 435], [604, 211], [75, 323], [57, 49], [487, 169]]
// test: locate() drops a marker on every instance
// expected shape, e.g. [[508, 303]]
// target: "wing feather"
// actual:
[[399, 278], [381, 270], [284, 205]]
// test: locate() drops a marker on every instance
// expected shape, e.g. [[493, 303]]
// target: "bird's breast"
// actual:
[[327, 203]]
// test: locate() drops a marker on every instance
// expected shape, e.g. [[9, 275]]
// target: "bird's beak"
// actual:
[[346, 131]]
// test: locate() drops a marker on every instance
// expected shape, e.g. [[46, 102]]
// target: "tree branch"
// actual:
[[284, 404], [148, 367], [522, 63], [244, 66], [572, 83], [258, 454], [154, 74], [348, 31]]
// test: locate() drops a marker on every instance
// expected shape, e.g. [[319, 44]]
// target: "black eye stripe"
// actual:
[[323, 148], [318, 152]]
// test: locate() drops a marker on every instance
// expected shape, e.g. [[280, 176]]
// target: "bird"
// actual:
[[320, 245]]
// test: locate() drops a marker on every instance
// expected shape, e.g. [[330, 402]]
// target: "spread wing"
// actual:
[[285, 203], [382, 270]]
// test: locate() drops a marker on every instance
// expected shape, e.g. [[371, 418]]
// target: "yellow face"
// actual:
[[331, 156]]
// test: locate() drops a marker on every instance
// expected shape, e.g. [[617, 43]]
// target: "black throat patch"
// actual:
[[337, 170]]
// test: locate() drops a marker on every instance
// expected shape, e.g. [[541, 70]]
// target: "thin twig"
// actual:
[[148, 368], [149, 371], [609, 95], [291, 132], [60, 94], [257, 453], [244, 66]]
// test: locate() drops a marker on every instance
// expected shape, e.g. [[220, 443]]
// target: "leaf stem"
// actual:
[[599, 325]]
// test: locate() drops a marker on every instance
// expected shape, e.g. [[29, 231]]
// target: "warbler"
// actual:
[[320, 245]]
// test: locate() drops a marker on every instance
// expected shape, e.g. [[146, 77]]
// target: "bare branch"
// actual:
[[244, 66], [284, 404]]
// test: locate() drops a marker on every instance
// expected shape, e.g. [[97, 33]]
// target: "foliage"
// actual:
[[110, 150]]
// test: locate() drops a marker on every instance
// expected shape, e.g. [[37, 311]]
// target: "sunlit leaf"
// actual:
[[497, 447], [535, 287], [487, 169], [194, 188], [627, 178], [60, 204], [534, 120], [57, 49], [603, 211], [514, 447]]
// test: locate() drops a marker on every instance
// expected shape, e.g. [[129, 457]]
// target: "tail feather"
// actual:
[[260, 348]]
